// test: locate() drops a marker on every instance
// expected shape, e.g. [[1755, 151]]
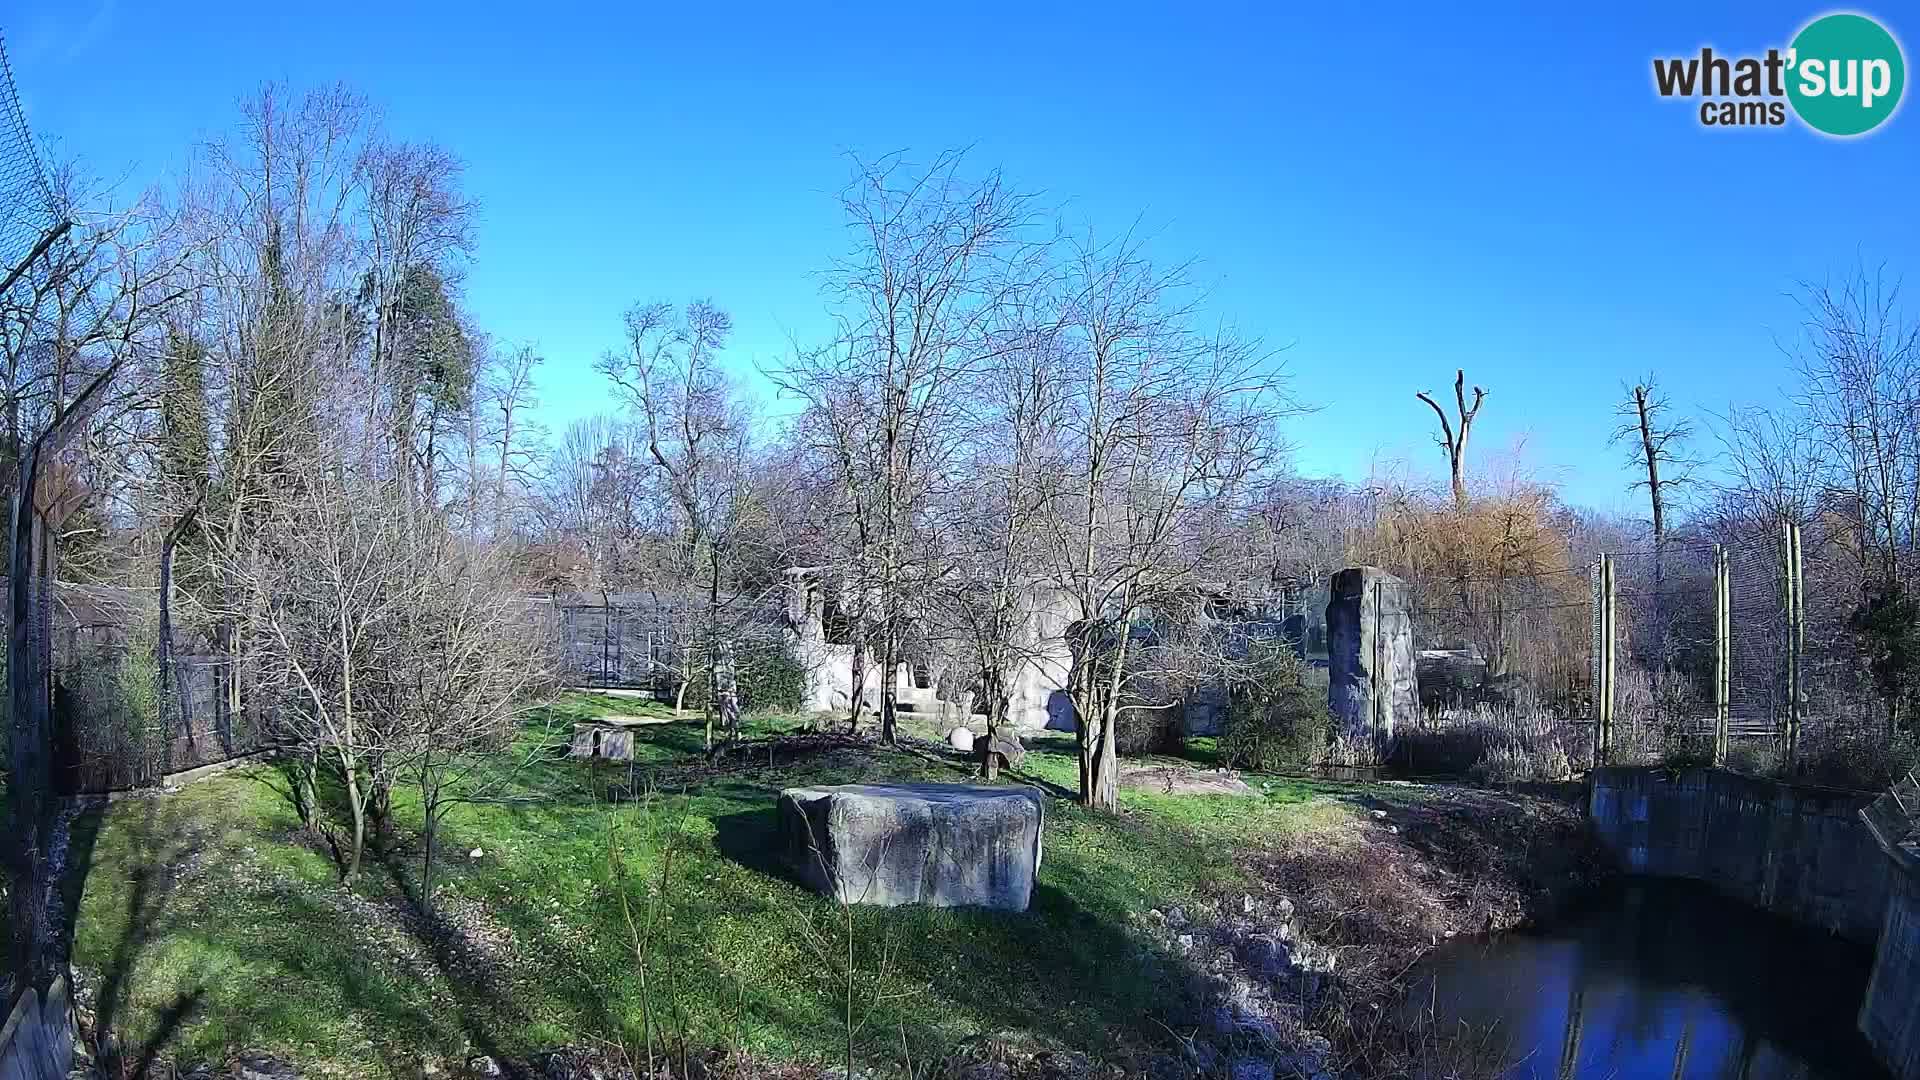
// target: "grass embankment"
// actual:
[[210, 922]]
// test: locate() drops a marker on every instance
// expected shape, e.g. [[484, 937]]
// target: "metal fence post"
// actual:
[[1795, 634], [1722, 653], [1603, 703]]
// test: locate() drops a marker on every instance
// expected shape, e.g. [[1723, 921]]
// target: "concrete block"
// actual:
[[944, 845]]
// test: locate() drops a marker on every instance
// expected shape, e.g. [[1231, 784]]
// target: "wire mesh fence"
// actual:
[[1746, 649], [1741, 644], [656, 642], [30, 207], [621, 641], [117, 729]]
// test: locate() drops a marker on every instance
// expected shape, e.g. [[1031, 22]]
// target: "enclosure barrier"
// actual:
[[37, 1042], [1713, 637]]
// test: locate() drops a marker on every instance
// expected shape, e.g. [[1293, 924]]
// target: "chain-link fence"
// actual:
[[27, 207]]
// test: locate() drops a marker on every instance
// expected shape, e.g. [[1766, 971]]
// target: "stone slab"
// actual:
[[943, 845]]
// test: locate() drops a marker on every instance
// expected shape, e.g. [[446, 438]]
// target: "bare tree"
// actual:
[[1859, 363], [1658, 449], [335, 568], [696, 433], [1164, 427], [933, 259], [474, 662], [993, 546], [514, 439], [1452, 444]]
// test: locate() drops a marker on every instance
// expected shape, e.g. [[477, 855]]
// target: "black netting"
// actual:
[[28, 205]]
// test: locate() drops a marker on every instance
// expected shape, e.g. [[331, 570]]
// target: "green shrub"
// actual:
[[107, 708], [1275, 719], [767, 676], [771, 678]]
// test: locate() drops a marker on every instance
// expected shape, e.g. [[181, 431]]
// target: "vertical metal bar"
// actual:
[[1604, 750], [1783, 718], [1721, 655], [1795, 640]]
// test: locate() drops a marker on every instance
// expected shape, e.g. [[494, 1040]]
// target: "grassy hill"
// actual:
[[210, 922]]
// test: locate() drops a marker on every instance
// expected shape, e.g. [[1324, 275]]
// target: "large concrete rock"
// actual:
[[945, 845], [1371, 686]]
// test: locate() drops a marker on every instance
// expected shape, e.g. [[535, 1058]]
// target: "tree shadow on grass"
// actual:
[[150, 880], [487, 1005], [1061, 971]]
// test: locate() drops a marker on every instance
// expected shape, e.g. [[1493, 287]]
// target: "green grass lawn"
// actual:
[[211, 922]]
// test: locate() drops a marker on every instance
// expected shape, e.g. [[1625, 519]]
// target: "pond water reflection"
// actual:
[[1660, 979]]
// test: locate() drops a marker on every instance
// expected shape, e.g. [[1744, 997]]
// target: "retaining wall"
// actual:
[[1801, 852], [37, 1042], [1890, 1015]]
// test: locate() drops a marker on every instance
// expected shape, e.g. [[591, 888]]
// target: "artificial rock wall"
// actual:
[[1890, 1015], [1833, 859], [1370, 656]]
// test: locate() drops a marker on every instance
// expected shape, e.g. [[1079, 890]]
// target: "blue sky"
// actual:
[[1390, 190]]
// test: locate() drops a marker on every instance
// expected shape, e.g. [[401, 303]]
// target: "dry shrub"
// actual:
[[1490, 743], [1850, 758]]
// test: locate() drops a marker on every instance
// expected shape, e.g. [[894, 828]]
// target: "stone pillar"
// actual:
[[1370, 656]]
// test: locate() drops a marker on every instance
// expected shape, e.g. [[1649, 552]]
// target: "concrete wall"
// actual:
[[1890, 1015], [37, 1041], [1800, 852]]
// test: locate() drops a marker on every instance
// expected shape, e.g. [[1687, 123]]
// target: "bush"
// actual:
[[1862, 761], [1754, 757], [1657, 721], [1149, 729], [107, 710], [1490, 743], [771, 678], [767, 676], [1275, 720]]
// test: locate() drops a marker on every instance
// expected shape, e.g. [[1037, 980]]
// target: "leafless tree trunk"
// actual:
[[928, 274], [1165, 426], [1455, 446], [1659, 453], [696, 432]]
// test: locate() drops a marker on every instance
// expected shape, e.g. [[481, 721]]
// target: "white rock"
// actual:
[[475, 853], [961, 739]]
